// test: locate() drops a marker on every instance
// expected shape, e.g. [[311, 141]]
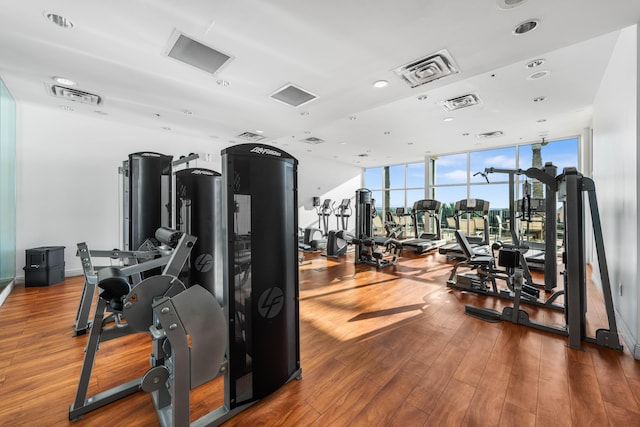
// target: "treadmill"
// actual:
[[470, 209], [425, 210]]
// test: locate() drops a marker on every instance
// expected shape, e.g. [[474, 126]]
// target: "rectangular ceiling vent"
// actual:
[[427, 69], [460, 102], [196, 54], [75, 95], [493, 134], [313, 140], [293, 95], [251, 137]]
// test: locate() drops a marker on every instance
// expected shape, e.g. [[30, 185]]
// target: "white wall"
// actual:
[[68, 186], [615, 172], [327, 181]]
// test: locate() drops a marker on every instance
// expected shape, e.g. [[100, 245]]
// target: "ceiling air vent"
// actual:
[[460, 102], [292, 95], [427, 69], [251, 137], [313, 140], [493, 134], [196, 54], [75, 95]]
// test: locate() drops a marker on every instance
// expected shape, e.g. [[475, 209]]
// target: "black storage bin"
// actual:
[[44, 266]]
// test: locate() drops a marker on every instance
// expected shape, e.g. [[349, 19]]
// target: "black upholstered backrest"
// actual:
[[464, 244]]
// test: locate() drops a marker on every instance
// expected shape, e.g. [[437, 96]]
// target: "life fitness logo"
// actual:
[[261, 150], [204, 263], [270, 303]]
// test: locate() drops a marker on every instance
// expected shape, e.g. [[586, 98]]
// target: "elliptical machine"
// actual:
[[338, 240], [324, 211]]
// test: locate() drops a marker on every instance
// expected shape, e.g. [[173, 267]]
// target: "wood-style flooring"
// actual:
[[388, 347]]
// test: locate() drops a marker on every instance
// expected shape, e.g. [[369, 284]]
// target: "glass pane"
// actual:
[[502, 158], [561, 153], [451, 169], [373, 178], [396, 177], [448, 196], [415, 195], [7, 186], [498, 197], [378, 220], [415, 175], [396, 199]]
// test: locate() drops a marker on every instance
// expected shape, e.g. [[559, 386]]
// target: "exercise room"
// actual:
[[336, 214]]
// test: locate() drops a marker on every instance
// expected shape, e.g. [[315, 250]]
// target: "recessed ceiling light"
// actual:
[[465, 134], [422, 97], [448, 119], [539, 75], [63, 81], [58, 20], [535, 63], [380, 83], [386, 132], [525, 27], [542, 120], [509, 4], [539, 98], [166, 128], [222, 82], [65, 108], [353, 118], [187, 112], [307, 132], [304, 113], [409, 143]]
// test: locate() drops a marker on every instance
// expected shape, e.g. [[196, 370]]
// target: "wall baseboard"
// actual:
[[6, 291]]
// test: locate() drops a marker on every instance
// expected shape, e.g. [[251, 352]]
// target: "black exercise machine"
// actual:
[[368, 247], [571, 187], [251, 337], [465, 212], [536, 257], [338, 240], [425, 211]]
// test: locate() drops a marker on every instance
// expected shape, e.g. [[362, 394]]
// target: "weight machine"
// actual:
[[249, 333], [571, 187], [470, 209], [147, 188], [367, 247], [547, 176]]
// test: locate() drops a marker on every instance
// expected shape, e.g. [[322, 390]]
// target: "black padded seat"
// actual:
[[115, 286]]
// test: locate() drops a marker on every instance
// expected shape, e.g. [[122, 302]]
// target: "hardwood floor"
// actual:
[[379, 348]]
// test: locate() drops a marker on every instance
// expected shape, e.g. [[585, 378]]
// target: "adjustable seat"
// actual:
[[115, 286], [483, 264]]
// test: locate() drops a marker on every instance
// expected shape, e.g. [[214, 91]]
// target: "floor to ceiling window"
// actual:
[[461, 176], [392, 187], [7, 186]]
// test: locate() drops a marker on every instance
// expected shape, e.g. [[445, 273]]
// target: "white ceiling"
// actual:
[[334, 49]]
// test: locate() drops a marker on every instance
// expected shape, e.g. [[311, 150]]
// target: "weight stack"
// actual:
[[199, 213], [261, 275]]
